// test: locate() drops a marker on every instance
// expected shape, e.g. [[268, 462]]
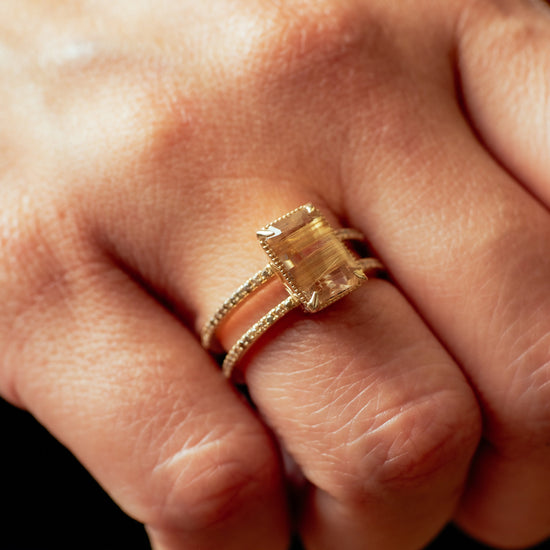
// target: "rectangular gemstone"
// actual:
[[312, 261]]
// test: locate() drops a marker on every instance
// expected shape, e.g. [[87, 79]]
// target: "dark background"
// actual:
[[50, 502]]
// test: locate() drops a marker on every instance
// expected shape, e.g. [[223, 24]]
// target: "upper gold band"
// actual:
[[311, 260]]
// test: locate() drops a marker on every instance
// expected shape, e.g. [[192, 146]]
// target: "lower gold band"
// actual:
[[370, 266]]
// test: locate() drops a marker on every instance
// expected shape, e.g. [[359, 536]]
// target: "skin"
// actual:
[[141, 150]]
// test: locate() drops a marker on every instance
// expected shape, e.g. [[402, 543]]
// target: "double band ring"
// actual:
[[314, 264]]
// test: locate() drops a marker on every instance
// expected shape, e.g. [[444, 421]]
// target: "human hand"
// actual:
[[142, 148]]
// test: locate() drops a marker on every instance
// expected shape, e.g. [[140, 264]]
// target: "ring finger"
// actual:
[[377, 450]]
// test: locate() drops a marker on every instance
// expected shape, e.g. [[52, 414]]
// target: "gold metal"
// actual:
[[259, 279], [371, 265], [313, 303], [255, 331], [265, 233], [311, 260], [243, 292]]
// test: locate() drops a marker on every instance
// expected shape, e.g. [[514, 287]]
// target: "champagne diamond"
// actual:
[[312, 261]]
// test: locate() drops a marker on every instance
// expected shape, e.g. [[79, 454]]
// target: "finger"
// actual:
[[196, 242], [122, 384], [370, 406], [504, 62], [470, 248], [377, 415], [388, 193]]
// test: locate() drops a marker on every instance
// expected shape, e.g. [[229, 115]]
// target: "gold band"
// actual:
[[254, 283], [245, 290], [370, 266], [255, 331], [311, 259]]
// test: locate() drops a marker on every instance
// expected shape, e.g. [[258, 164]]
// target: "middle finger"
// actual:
[[373, 409]]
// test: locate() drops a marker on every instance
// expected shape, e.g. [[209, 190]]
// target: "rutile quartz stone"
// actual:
[[312, 261]]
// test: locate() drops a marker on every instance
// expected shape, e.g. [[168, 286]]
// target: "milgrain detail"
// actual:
[[312, 261], [255, 282], [254, 332]]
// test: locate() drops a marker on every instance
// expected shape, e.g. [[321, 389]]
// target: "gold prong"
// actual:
[[360, 275], [313, 303], [309, 208], [268, 232]]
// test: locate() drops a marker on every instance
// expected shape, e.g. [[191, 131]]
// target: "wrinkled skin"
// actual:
[[144, 143]]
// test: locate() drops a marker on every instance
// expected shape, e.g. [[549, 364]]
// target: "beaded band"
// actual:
[[371, 265], [254, 283], [312, 261]]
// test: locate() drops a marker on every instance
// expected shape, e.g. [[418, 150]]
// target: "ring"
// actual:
[[314, 264]]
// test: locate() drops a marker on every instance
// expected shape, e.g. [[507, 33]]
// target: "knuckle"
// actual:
[[507, 27], [40, 241], [436, 435], [27, 264], [210, 484], [16, 245], [317, 46], [43, 260], [408, 448], [138, 91], [318, 30]]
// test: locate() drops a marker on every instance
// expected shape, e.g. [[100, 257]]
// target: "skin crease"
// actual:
[[142, 148]]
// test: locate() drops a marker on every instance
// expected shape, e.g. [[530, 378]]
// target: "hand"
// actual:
[[141, 149]]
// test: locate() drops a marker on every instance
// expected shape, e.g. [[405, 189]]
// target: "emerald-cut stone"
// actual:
[[312, 261]]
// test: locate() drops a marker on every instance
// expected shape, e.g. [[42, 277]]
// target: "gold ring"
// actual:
[[314, 264]]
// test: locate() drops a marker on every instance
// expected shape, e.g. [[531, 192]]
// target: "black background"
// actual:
[[49, 501]]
